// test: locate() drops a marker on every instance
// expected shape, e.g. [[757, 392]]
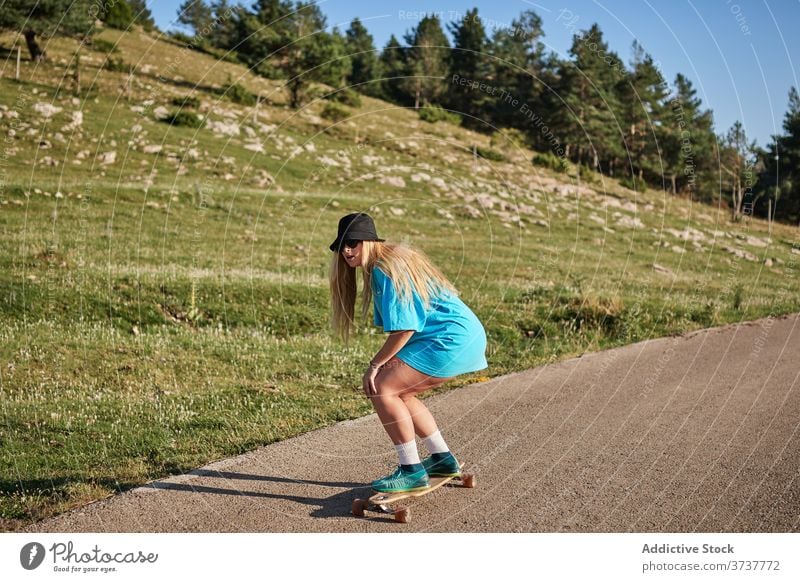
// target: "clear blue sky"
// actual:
[[741, 55]]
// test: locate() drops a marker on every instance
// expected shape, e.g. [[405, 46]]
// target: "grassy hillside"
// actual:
[[163, 289]]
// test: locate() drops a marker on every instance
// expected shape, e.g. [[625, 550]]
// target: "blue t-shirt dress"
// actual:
[[449, 339]]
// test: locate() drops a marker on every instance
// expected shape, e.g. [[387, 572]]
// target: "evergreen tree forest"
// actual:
[[594, 109]]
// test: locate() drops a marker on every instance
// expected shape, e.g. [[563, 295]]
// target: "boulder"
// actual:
[[107, 157], [468, 211], [75, 123], [439, 183], [229, 128], [742, 254], [396, 181], [663, 270], [370, 160], [327, 161], [630, 222], [255, 147], [46, 110], [161, 112]]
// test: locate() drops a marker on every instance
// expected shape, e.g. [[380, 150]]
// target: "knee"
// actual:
[[385, 389], [407, 395]]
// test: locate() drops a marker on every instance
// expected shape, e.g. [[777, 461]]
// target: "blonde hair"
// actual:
[[406, 267]]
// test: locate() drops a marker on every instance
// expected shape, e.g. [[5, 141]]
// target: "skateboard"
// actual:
[[382, 502]]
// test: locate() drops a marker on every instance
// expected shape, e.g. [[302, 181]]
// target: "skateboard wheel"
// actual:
[[402, 515], [468, 481], [358, 507]]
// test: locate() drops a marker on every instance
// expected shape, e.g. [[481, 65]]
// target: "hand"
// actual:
[[368, 382]]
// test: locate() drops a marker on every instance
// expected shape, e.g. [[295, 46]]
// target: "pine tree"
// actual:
[[307, 53], [298, 56], [517, 68], [361, 48], [590, 117], [117, 14], [468, 61], [394, 69], [737, 161], [47, 18], [223, 33], [332, 54], [427, 54], [780, 180], [285, 39], [262, 32], [642, 95], [142, 15], [196, 14], [687, 141]]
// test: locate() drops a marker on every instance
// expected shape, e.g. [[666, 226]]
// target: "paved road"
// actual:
[[691, 433]]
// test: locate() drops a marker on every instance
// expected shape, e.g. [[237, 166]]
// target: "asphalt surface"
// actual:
[[697, 433]]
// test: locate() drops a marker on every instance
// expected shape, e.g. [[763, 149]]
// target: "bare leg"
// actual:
[[424, 423], [395, 417], [396, 405]]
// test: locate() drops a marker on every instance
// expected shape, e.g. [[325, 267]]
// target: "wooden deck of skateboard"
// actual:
[[380, 502], [389, 498]]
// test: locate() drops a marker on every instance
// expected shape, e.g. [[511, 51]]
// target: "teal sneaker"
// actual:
[[401, 481], [439, 465]]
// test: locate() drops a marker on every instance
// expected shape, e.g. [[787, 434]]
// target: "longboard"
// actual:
[[382, 502]]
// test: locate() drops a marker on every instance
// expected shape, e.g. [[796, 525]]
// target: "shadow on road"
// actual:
[[250, 477], [335, 505]]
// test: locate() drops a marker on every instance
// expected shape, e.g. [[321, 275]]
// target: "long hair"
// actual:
[[409, 270]]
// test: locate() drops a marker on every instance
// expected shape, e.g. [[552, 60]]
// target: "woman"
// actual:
[[433, 337]]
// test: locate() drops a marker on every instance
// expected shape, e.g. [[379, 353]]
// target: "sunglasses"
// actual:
[[350, 242]]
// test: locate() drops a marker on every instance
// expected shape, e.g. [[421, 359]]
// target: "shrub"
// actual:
[[508, 138], [316, 92], [434, 113], [590, 312], [335, 112], [188, 101], [117, 14], [268, 70], [633, 183], [534, 329], [218, 53], [238, 94], [737, 297], [491, 155], [222, 54], [588, 175], [103, 46], [184, 119], [181, 38], [117, 66], [551, 161], [346, 97]]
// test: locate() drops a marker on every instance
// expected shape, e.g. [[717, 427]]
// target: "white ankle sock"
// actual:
[[408, 453], [435, 443]]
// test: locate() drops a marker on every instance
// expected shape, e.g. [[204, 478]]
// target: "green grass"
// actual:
[[151, 322]]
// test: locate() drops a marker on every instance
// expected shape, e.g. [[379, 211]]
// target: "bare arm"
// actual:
[[393, 344]]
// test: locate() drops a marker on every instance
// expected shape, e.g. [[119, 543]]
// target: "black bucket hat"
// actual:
[[356, 226]]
